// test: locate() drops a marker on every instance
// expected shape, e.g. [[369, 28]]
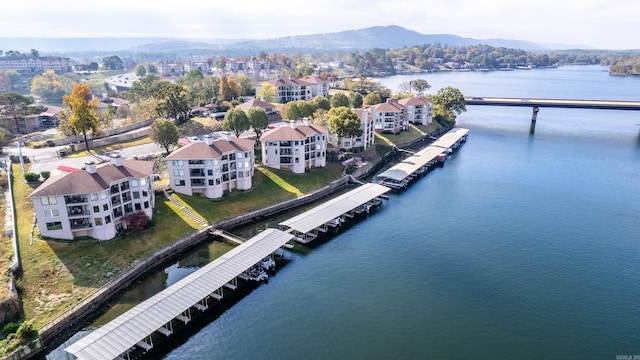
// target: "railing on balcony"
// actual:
[[80, 224], [197, 183], [197, 173], [115, 200], [117, 213], [75, 211], [124, 186], [75, 199]]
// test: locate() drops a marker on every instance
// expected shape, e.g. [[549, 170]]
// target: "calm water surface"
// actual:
[[521, 247]]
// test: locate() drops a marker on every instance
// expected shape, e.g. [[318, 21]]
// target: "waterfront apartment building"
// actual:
[[359, 143], [212, 166], [94, 202], [295, 147], [395, 115], [290, 89], [37, 65]]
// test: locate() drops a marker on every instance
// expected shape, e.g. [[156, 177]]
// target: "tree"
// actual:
[[64, 124], [344, 122], [451, 99], [355, 100], [146, 87], [51, 87], [321, 102], [145, 109], [258, 120], [404, 87], [13, 107], [372, 99], [292, 111], [113, 63], [268, 93], [140, 70], [338, 100], [14, 78], [83, 111], [152, 69], [420, 85], [236, 121], [164, 133], [175, 101]]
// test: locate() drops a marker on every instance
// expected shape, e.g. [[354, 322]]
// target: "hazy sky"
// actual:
[[603, 24]]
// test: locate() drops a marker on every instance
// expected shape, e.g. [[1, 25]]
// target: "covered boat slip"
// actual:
[[451, 139], [118, 337], [399, 175], [332, 212]]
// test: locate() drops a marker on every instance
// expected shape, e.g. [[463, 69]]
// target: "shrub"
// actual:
[[30, 177], [45, 174]]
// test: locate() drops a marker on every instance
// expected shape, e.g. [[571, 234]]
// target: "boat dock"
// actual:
[[400, 175], [136, 328], [334, 212]]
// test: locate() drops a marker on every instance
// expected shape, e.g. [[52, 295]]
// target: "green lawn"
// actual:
[[57, 274]]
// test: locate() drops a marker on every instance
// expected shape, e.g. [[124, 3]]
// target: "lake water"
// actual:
[[521, 247]]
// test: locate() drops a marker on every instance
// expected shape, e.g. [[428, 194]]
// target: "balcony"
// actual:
[[126, 197], [117, 213], [124, 186], [75, 199], [115, 200], [285, 143], [78, 224], [114, 189], [197, 172], [198, 183], [76, 211]]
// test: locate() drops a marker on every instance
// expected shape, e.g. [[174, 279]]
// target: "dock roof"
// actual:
[[447, 140], [335, 207], [125, 331], [410, 165]]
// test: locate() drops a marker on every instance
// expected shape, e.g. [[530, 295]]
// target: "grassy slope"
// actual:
[[59, 273]]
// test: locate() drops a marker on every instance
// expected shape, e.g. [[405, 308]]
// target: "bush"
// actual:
[[30, 177], [45, 174]]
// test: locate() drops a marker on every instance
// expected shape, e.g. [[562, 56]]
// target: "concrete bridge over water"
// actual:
[[536, 104]]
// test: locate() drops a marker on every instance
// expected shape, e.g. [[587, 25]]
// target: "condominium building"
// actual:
[[306, 88], [418, 110], [94, 202], [395, 115], [295, 147], [37, 65], [211, 167]]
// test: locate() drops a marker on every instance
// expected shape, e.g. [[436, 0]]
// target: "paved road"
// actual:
[[46, 159]]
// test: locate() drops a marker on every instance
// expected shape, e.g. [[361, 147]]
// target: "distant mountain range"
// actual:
[[387, 37]]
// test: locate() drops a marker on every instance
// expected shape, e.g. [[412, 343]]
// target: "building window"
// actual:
[[136, 194], [94, 197], [209, 162], [96, 209], [179, 183], [218, 181], [210, 182], [210, 172], [145, 193], [137, 206], [98, 221], [177, 172], [57, 225], [103, 195], [107, 219], [105, 207], [143, 182], [134, 182], [240, 155], [51, 213], [177, 162], [48, 200]]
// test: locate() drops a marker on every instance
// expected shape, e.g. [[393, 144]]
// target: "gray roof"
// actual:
[[335, 207], [408, 166], [411, 164], [114, 338], [447, 140]]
